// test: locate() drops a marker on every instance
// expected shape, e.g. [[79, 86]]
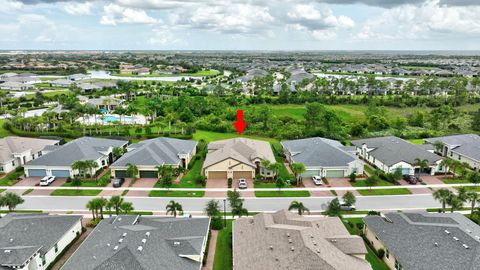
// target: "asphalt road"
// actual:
[[402, 202]]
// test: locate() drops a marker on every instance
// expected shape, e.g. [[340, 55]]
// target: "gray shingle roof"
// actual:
[[85, 148], [318, 151], [465, 144], [168, 241], [25, 234], [155, 152], [391, 150], [12, 144], [411, 238], [265, 241]]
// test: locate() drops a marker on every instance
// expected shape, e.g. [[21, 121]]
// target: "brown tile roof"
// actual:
[[285, 240]]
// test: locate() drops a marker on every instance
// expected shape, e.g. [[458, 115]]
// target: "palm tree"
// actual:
[[422, 163], [445, 164], [115, 202], [117, 152], [212, 209], [102, 203], [92, 206], [132, 171], [11, 200], [265, 164], [298, 169], [299, 207], [80, 166], [275, 167], [126, 207], [473, 198], [439, 146], [90, 165], [173, 207], [442, 195]]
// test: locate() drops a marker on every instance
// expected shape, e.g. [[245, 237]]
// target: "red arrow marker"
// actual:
[[240, 125]]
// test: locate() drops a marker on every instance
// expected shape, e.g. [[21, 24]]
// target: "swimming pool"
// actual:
[[114, 118]]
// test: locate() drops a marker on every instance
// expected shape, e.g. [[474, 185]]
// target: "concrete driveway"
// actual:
[[434, 180], [35, 181], [308, 183], [245, 192], [143, 183], [108, 193], [342, 182], [217, 183]]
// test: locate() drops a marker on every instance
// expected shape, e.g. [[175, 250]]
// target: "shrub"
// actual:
[[381, 253], [216, 223], [230, 180], [373, 213]]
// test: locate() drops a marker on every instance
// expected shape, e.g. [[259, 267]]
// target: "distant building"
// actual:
[[284, 240], [131, 242]]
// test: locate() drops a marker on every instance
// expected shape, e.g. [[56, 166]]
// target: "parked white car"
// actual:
[[317, 180], [242, 183], [47, 180]]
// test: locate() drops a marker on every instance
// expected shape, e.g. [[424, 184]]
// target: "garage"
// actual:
[[335, 174], [120, 173], [221, 175], [245, 174], [61, 173], [310, 173], [37, 172], [405, 171], [148, 174]]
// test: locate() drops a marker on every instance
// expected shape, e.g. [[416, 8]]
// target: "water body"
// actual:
[[102, 74]]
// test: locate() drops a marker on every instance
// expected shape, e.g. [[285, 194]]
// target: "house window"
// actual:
[[451, 154], [33, 156], [387, 254], [56, 247], [13, 163], [103, 162], [40, 154], [398, 266], [1, 169], [44, 261], [459, 157]]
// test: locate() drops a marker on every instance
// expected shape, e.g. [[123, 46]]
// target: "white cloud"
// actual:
[[430, 20], [114, 14], [162, 36], [74, 8], [235, 19]]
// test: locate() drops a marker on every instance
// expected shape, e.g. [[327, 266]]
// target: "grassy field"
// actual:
[[377, 192], [172, 193], [75, 192], [209, 136], [283, 193], [455, 181], [362, 183], [3, 132], [200, 73], [223, 251]]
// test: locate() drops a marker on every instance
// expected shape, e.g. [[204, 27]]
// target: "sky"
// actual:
[[240, 25]]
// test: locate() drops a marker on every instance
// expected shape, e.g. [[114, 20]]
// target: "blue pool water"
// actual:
[[111, 118]]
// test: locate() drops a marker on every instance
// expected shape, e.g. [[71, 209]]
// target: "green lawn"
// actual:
[[188, 180], [283, 193], [175, 193], [416, 141], [475, 188], [368, 169], [267, 185], [455, 181], [393, 191], [11, 178], [362, 183], [86, 183], [75, 192], [223, 251], [26, 192], [209, 136], [200, 73]]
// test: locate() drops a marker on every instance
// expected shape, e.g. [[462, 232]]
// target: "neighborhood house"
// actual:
[[34, 241], [134, 242], [237, 158], [284, 240], [419, 241], [58, 162], [323, 157], [150, 154], [392, 153], [464, 148], [17, 151]]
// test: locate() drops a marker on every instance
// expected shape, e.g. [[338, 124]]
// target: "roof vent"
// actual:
[[318, 250], [468, 231], [333, 240], [176, 243], [7, 251], [465, 246], [477, 237], [271, 247], [115, 247], [140, 248], [311, 235], [292, 248], [288, 234], [455, 238], [108, 244], [435, 244], [314, 243], [147, 234], [144, 240], [124, 234], [447, 232], [11, 240]]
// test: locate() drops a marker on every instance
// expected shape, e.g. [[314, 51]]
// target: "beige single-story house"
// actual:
[[237, 158], [17, 151]]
